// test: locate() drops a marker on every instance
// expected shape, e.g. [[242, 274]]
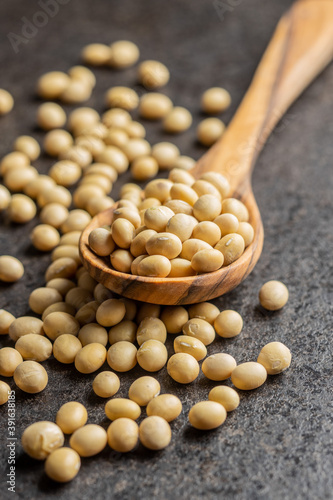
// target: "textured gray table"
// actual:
[[278, 444]]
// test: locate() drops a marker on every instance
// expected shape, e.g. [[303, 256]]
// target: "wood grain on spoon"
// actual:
[[300, 49]]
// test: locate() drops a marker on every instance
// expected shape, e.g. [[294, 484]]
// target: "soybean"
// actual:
[[249, 376], [71, 416], [155, 433], [62, 465], [226, 396], [275, 357], [207, 415], [42, 438], [123, 435], [106, 384], [88, 440], [143, 390]]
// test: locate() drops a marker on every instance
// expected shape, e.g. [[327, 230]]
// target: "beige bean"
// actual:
[[210, 130], [207, 415], [232, 247], [183, 192], [16, 159], [207, 261], [93, 333], [121, 260], [42, 297], [181, 268], [42, 438], [226, 396], [159, 189], [5, 197], [273, 295], [123, 232], [34, 347], [218, 366], [248, 376], [165, 153], [6, 102], [58, 307], [166, 406], [11, 269], [155, 433], [177, 120], [106, 384], [50, 116], [6, 319], [166, 244], [96, 54], [90, 358], [129, 214], [199, 329], [59, 323], [182, 226], [174, 318], [62, 465], [192, 246], [124, 54], [219, 181], [5, 390], [21, 209], [156, 266], [144, 167], [121, 356], [122, 408], [228, 324], [247, 232], [54, 214], [30, 377], [154, 106], [65, 173], [228, 223], [156, 218], [151, 328], [66, 347], [63, 285], [143, 390], [45, 237], [183, 368], [61, 268], [275, 357], [215, 100], [83, 74], [235, 207], [71, 416], [152, 355], [24, 325], [123, 435], [153, 74], [148, 310], [179, 207], [88, 440], [190, 345], [121, 97], [207, 231], [57, 142], [204, 310], [56, 194], [9, 359]]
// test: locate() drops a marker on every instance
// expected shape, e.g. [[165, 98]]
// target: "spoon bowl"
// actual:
[[299, 50]]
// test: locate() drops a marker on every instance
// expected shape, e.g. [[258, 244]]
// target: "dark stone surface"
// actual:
[[278, 444]]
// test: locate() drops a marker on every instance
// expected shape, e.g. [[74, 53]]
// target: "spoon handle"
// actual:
[[299, 50]]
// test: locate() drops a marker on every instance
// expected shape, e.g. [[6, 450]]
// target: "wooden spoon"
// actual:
[[301, 47]]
